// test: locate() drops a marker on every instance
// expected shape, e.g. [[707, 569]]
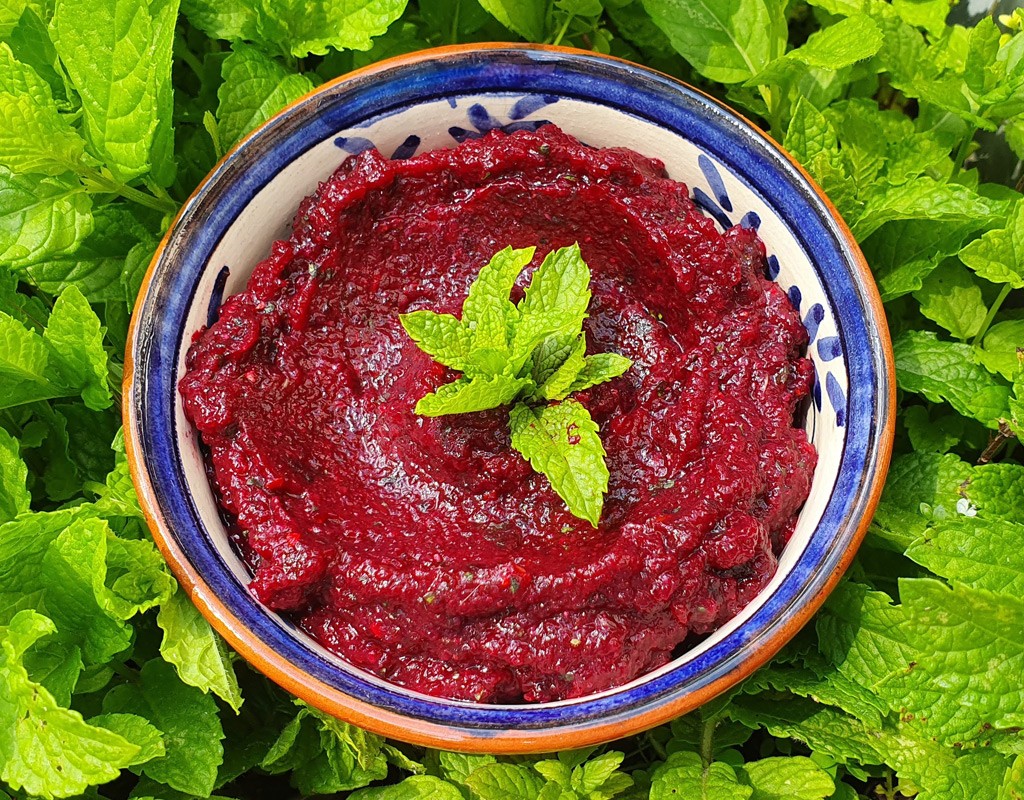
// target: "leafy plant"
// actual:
[[907, 684], [527, 354]]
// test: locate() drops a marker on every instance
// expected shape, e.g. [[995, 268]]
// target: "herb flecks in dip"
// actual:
[[425, 549]]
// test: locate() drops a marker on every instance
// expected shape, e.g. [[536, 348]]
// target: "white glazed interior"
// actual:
[[268, 217]]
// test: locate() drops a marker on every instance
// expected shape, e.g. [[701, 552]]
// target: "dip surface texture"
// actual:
[[426, 550]]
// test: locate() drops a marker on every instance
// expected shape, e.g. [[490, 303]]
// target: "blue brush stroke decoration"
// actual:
[[795, 297], [217, 296], [829, 348], [529, 104], [407, 148], [812, 321], [751, 220], [701, 198], [773, 267], [837, 397], [714, 180], [353, 144]]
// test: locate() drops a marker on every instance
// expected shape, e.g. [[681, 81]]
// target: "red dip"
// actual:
[[426, 550]]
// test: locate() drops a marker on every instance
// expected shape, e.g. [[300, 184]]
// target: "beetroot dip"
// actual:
[[426, 550]]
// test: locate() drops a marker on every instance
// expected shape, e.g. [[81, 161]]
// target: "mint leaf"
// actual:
[[599, 368], [787, 778], [47, 750], [196, 651], [561, 441], [922, 198], [441, 336], [75, 337], [326, 755], [474, 394], [967, 640], [557, 385], [504, 782], [975, 552], [95, 267], [997, 490], [186, 717], [14, 495], [725, 40], [40, 218], [685, 775], [998, 254], [34, 138], [107, 49], [525, 17], [25, 365], [416, 787], [456, 767], [531, 351], [945, 371], [134, 729], [255, 88], [555, 303], [904, 252], [847, 42], [998, 351], [302, 28], [950, 297]]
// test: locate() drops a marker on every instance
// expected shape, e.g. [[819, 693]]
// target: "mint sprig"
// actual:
[[532, 354]]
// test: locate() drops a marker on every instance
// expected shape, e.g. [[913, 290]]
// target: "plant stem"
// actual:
[[104, 183], [992, 311], [565, 27], [707, 740], [965, 145]]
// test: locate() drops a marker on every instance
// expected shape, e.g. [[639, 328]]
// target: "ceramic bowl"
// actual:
[[435, 99]]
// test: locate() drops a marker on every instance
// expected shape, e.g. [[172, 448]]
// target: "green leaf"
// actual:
[[551, 354], [561, 441], [932, 435], [998, 352], [594, 775], [685, 775], [185, 716], [95, 267], [14, 495], [968, 656], [75, 337], [441, 336], [222, 19], [24, 366], [903, 253], [456, 767], [302, 28], [525, 17], [997, 256], [558, 384], [945, 371], [921, 198], [921, 487], [488, 313], [599, 368], [465, 396], [47, 750], [134, 728], [255, 88], [555, 303], [980, 553], [787, 778], [40, 218], [836, 46], [950, 297], [997, 490], [416, 787], [504, 782], [197, 652], [34, 138], [725, 40]]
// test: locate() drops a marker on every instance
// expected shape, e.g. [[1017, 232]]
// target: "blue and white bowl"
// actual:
[[436, 99]]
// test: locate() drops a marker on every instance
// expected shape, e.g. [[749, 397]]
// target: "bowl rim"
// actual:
[[469, 738]]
